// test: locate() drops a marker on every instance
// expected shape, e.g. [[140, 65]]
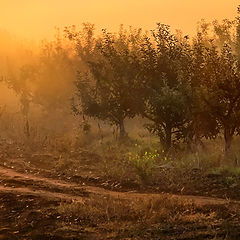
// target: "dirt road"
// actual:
[[12, 181], [31, 206]]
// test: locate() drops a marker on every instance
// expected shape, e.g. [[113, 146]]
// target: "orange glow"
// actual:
[[37, 18]]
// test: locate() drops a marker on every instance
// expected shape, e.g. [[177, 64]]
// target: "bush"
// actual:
[[144, 163]]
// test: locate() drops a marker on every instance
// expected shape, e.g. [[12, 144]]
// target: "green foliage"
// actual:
[[166, 101], [187, 89], [221, 89], [144, 163], [106, 92]]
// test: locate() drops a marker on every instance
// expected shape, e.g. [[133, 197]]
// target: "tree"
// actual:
[[166, 101], [202, 123], [108, 91], [23, 86], [56, 72], [221, 90], [47, 80]]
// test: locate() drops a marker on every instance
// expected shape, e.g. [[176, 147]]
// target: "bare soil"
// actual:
[[31, 196]]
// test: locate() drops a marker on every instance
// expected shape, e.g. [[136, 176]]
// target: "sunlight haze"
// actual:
[[37, 19], [119, 119]]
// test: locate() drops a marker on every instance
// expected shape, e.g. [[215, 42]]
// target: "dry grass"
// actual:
[[103, 210], [150, 219]]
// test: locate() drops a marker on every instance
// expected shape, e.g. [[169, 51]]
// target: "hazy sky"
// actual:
[[37, 18]]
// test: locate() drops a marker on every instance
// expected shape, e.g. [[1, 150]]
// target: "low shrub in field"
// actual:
[[144, 164]]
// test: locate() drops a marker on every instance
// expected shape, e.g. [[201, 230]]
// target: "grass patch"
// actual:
[[149, 218], [103, 210]]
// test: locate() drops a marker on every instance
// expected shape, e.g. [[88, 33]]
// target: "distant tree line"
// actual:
[[188, 89]]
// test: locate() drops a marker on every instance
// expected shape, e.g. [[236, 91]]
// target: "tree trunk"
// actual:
[[228, 136], [27, 128], [122, 129], [168, 140]]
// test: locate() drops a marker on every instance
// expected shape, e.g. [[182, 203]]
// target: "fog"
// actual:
[[37, 19], [119, 119]]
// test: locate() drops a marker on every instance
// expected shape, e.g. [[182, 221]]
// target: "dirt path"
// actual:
[[41, 193], [29, 184]]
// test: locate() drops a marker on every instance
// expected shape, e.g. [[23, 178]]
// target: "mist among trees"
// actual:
[[121, 135], [187, 88]]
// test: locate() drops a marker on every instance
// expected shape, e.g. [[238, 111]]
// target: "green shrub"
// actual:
[[144, 163]]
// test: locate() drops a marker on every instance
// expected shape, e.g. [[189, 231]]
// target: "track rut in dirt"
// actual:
[[29, 184]]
